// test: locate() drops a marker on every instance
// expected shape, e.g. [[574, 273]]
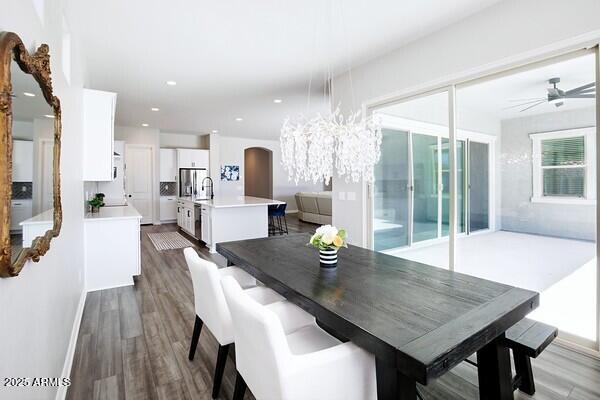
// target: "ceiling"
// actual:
[[27, 108], [482, 106], [498, 96], [233, 58]]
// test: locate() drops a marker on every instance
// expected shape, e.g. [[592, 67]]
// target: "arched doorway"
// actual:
[[258, 172]]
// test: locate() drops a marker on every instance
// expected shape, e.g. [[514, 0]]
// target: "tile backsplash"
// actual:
[[168, 189], [22, 190]]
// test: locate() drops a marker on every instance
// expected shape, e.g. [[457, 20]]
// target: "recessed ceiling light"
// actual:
[[171, 83], [49, 116], [277, 101], [155, 109], [144, 125], [28, 94], [215, 131], [239, 119]]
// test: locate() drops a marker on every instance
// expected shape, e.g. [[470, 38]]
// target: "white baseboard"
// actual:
[[61, 393], [128, 283], [291, 211]]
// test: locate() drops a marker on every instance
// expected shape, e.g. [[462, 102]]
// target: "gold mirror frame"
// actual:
[[38, 66]]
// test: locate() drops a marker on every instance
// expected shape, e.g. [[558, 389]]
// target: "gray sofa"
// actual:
[[314, 207]]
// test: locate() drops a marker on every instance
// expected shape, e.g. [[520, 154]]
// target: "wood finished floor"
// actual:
[[133, 344]]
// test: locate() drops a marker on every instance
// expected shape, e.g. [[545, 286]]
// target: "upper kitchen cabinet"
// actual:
[[22, 161], [192, 158], [168, 165], [98, 135]]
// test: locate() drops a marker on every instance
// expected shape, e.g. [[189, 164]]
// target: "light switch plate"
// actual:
[[351, 196], [342, 195]]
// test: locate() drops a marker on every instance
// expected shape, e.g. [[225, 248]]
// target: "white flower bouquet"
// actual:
[[328, 237]]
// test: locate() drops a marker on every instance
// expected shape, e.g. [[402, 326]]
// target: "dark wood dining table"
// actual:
[[419, 321]]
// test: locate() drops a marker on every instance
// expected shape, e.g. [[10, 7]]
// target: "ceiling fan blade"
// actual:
[[581, 96], [524, 104], [533, 105], [530, 98], [581, 88]]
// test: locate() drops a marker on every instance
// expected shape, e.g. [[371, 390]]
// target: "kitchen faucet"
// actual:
[[212, 193]]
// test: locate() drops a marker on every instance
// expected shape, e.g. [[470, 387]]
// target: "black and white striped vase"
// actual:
[[328, 258]]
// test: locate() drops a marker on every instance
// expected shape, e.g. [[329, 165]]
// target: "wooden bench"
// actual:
[[527, 339]]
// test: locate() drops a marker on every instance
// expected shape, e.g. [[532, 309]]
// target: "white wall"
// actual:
[[499, 33], [22, 130], [149, 136], [40, 305], [231, 152], [183, 140]]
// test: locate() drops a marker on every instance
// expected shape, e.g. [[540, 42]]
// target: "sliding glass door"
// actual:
[[426, 195], [525, 185], [479, 178], [391, 194], [411, 196]]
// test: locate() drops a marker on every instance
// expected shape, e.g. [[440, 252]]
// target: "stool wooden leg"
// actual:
[[524, 372]]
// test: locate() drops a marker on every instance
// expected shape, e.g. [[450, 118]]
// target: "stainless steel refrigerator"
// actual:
[[190, 183]]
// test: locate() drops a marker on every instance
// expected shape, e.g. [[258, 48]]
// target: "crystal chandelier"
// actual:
[[313, 148]]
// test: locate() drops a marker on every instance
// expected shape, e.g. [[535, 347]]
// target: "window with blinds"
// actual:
[[563, 166]]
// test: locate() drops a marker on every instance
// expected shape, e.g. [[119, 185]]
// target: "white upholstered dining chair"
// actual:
[[306, 364], [212, 311]]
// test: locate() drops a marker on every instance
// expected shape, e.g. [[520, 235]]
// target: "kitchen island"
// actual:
[[112, 247], [227, 218]]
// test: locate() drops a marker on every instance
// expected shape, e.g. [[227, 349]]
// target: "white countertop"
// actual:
[[47, 217], [237, 201], [117, 212]]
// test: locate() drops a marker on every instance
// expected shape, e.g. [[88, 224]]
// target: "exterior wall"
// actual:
[[518, 213]]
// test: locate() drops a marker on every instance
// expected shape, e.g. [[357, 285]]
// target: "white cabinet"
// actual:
[[98, 135], [206, 225], [112, 251], [185, 216], [168, 165], [192, 158], [168, 208], [22, 161], [20, 210]]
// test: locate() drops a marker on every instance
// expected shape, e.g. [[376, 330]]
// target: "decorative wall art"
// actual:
[[230, 172]]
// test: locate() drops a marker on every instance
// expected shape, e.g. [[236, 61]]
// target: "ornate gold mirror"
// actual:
[[30, 128]]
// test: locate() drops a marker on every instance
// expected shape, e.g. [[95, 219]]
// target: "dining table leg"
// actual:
[[494, 371], [393, 385]]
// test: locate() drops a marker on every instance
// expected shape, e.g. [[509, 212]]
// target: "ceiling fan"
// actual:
[[556, 96]]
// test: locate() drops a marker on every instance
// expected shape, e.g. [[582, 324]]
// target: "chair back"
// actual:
[[261, 350], [281, 209], [209, 300]]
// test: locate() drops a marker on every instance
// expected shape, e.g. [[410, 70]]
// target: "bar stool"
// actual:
[[212, 311], [276, 213], [305, 364]]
